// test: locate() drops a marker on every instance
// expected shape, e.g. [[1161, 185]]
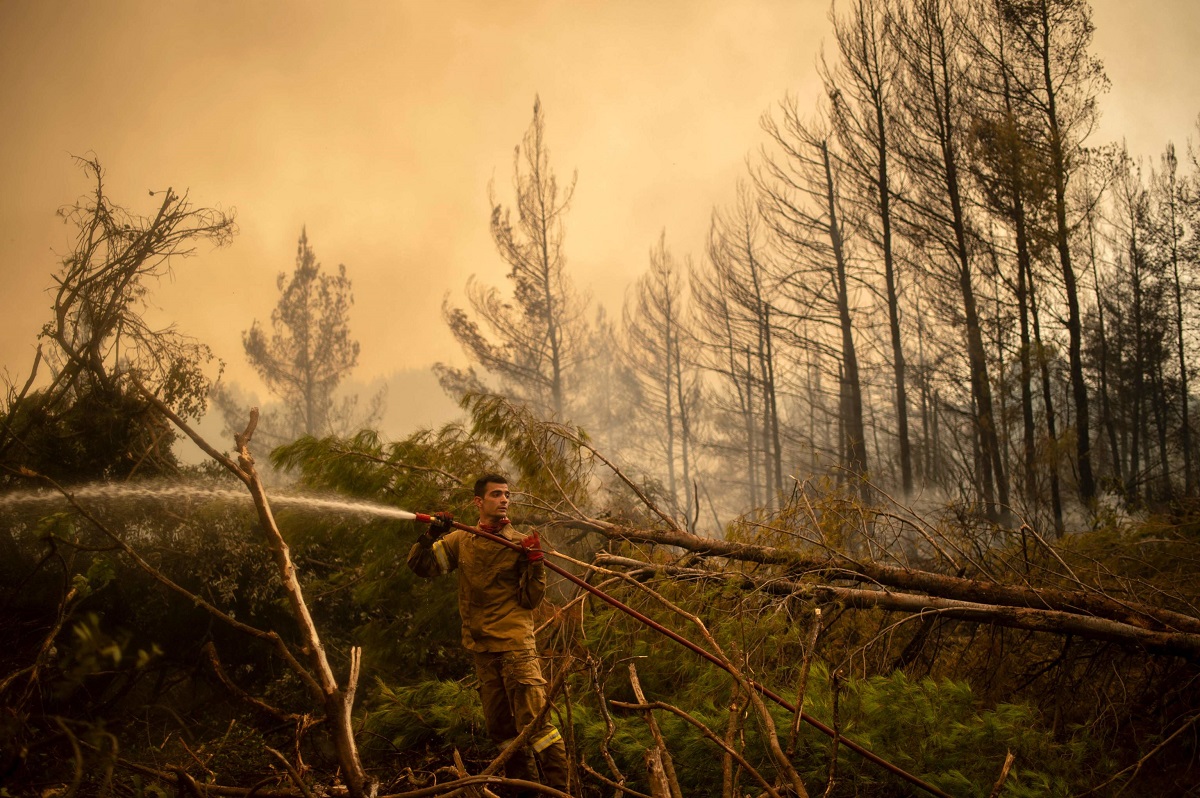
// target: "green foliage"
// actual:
[[103, 433], [93, 650], [938, 728], [550, 459], [441, 713]]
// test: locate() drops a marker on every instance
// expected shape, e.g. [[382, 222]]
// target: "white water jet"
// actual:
[[110, 492]]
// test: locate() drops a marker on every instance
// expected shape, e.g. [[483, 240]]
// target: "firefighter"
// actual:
[[498, 590]]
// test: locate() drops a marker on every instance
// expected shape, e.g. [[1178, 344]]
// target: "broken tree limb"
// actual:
[[336, 702], [992, 608], [210, 653], [620, 789], [1009, 758], [658, 759], [1093, 601], [802, 685]]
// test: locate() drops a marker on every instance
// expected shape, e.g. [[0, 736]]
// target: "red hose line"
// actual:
[[683, 641]]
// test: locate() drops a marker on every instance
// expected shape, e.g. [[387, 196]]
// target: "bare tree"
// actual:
[[656, 333], [931, 39], [1052, 36], [861, 89], [738, 326], [1010, 172], [532, 344], [801, 200], [1167, 194]]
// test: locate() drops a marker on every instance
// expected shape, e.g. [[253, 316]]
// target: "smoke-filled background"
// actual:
[[379, 126], [866, 331]]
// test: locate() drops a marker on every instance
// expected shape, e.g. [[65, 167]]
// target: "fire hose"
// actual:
[[683, 641]]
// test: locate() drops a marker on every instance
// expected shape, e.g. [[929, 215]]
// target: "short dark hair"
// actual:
[[482, 483]]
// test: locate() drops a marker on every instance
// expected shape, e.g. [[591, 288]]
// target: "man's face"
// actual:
[[493, 504]]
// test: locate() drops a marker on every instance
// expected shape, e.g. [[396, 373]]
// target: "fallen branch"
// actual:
[[1094, 603], [659, 757], [610, 783], [458, 784], [210, 653], [610, 728], [1017, 617], [292, 772]]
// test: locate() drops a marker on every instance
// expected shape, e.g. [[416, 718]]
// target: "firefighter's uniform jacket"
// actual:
[[498, 590]]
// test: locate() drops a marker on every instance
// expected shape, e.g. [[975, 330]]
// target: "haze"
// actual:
[[379, 126]]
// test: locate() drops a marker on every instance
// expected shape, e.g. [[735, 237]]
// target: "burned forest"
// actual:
[[889, 486]]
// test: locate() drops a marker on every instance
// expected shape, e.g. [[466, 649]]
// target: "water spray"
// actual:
[[118, 492], [683, 641]]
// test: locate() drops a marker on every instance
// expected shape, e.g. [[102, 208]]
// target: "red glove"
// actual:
[[533, 548]]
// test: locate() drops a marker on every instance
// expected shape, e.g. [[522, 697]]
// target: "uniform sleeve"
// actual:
[[532, 587], [440, 558]]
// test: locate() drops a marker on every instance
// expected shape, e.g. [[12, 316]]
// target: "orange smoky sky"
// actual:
[[378, 126]]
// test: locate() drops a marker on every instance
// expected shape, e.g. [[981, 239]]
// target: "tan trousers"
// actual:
[[513, 692]]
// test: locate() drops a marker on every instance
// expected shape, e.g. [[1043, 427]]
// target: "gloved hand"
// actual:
[[440, 524], [533, 548]]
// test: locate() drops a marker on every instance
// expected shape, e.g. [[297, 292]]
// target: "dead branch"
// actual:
[[43, 652], [12, 402], [660, 756], [337, 702], [802, 684], [653, 764], [211, 789], [647, 706], [214, 662], [293, 774], [610, 728], [458, 784], [732, 726], [619, 787], [1009, 758], [836, 689], [993, 612], [760, 708], [460, 770], [183, 780], [1091, 602], [1137, 766]]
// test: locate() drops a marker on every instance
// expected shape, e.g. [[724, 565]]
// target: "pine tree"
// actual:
[[308, 351], [533, 343]]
